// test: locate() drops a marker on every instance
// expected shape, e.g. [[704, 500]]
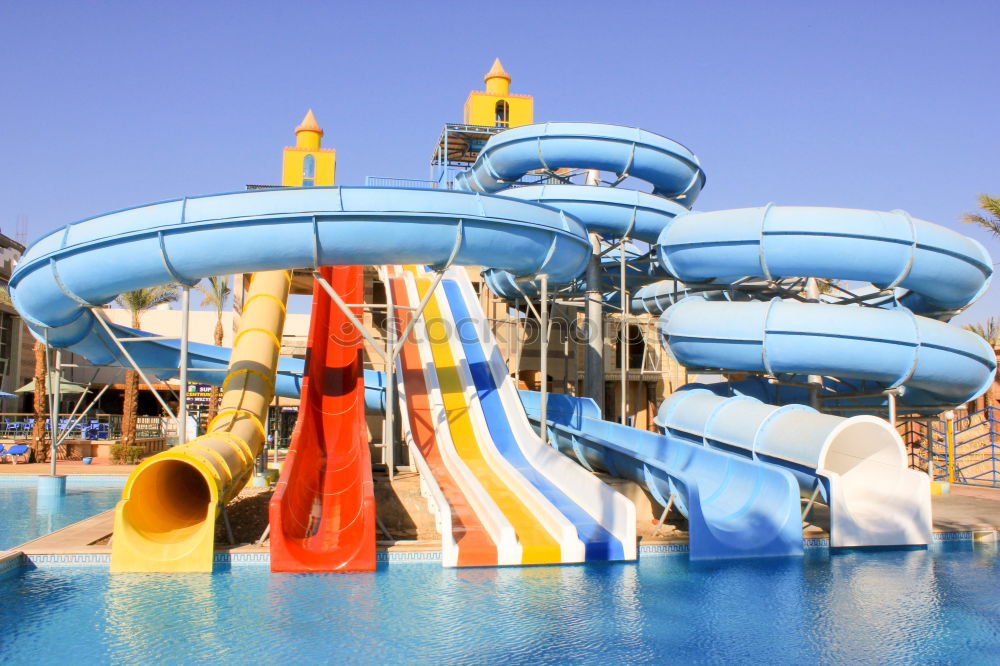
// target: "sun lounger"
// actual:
[[14, 452]]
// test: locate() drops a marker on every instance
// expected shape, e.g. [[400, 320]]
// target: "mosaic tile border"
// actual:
[[663, 549], [818, 542], [68, 559], [409, 556], [940, 537], [72, 480], [13, 565], [223, 559]]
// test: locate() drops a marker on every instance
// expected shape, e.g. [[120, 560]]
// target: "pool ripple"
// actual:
[[853, 607]]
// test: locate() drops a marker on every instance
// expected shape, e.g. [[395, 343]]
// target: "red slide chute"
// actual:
[[323, 510]]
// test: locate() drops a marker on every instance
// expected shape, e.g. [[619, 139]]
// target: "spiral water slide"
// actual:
[[920, 274]]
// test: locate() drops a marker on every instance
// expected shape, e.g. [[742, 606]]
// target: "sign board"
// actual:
[[198, 394]]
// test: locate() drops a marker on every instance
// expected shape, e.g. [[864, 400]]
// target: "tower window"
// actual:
[[502, 114], [308, 171]]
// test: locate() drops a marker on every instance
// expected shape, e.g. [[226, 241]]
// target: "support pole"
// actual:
[[892, 408], [389, 425], [544, 360], [624, 330], [83, 413], [663, 516], [949, 429], [812, 500], [815, 381], [182, 398], [593, 365], [930, 449], [53, 378]]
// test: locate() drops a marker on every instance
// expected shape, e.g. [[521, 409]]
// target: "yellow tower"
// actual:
[[307, 164], [497, 107]]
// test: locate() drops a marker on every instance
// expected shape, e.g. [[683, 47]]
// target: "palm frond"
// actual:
[[215, 292], [988, 330], [139, 300], [990, 221]]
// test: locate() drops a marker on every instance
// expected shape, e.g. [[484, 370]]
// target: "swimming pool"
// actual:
[[936, 605], [25, 516]]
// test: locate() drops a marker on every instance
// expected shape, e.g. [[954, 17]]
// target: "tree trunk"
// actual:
[[129, 408], [214, 397], [39, 442], [131, 398]]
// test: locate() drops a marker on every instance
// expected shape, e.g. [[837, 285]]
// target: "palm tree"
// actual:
[[138, 301], [215, 294], [988, 330], [990, 221], [38, 429], [38, 440]]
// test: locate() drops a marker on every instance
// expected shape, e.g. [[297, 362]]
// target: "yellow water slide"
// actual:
[[165, 521], [539, 546]]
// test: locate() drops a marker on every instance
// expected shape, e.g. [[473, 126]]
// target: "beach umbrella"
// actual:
[[4, 394], [65, 387]]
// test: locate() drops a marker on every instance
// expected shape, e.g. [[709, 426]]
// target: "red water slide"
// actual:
[[322, 512]]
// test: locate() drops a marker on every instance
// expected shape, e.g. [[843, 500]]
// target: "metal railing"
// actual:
[[14, 426], [378, 181], [965, 450]]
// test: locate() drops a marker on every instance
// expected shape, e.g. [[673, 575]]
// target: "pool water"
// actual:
[[938, 605], [25, 516]]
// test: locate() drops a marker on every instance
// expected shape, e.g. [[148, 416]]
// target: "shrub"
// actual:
[[126, 455]]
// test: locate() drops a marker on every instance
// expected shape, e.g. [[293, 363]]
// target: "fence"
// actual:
[[14, 426], [968, 454]]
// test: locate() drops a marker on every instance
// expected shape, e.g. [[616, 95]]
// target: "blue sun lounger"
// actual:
[[13, 453]]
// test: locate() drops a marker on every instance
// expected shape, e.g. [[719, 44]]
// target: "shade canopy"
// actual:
[[65, 387]]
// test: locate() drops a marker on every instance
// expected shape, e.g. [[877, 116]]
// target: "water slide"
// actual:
[[322, 513], [167, 521], [56, 286], [603, 519], [735, 507], [918, 275], [470, 524], [935, 271], [543, 534], [856, 466]]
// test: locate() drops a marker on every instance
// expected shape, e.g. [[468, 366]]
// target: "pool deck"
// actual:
[[66, 467], [965, 509]]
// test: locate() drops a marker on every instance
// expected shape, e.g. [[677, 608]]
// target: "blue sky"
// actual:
[[876, 104]]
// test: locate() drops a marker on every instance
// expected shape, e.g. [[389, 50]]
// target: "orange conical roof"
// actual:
[[309, 124], [496, 72]]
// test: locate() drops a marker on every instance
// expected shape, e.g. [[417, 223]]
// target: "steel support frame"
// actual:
[[182, 411], [54, 378], [100, 317]]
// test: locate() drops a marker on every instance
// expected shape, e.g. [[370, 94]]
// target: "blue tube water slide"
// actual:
[[64, 276], [857, 466], [720, 261], [929, 268], [735, 507], [932, 363], [887, 249], [672, 170]]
